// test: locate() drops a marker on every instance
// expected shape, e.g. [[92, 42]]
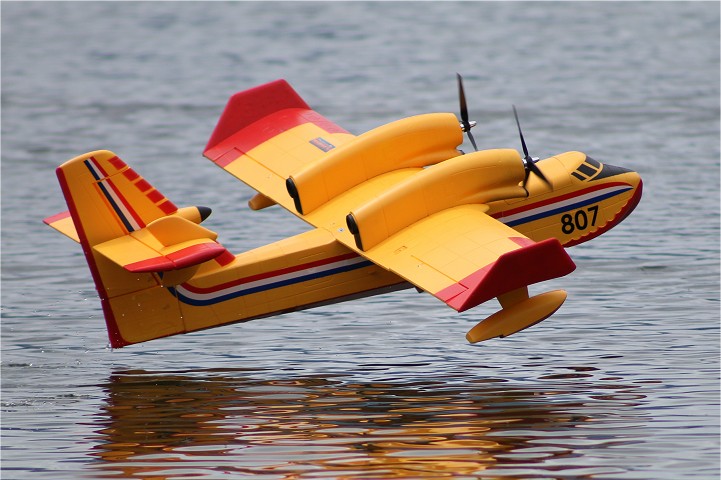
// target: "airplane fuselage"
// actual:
[[313, 269]]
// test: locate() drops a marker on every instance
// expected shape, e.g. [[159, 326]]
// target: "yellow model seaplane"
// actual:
[[395, 207]]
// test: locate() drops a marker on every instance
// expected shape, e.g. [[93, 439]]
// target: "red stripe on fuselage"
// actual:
[[625, 212], [557, 199], [270, 274]]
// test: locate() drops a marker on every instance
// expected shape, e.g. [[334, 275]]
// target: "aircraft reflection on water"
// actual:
[[190, 424]]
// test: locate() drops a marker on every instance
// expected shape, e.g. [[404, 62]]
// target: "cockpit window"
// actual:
[[592, 169], [593, 162], [588, 169]]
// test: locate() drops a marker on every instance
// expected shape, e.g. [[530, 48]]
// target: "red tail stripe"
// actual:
[[127, 204], [117, 163], [168, 207], [143, 185], [99, 167], [130, 174], [155, 196]]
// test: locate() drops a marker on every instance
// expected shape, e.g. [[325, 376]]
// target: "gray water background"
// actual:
[[621, 383]]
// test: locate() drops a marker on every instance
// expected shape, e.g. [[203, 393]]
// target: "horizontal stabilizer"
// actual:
[[187, 256], [63, 223], [166, 244]]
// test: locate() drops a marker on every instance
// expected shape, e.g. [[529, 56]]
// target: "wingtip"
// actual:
[[532, 263]]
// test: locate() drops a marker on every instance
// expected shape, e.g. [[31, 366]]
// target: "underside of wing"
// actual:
[[268, 132]]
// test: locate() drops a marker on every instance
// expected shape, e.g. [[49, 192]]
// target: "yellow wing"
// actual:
[[429, 226], [268, 132], [401, 195], [269, 138], [464, 257]]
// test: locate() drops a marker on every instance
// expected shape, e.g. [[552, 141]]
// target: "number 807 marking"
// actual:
[[579, 220]]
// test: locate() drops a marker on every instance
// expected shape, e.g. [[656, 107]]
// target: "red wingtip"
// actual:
[[251, 105], [533, 263]]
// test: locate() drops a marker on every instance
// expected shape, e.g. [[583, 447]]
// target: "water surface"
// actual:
[[621, 383]]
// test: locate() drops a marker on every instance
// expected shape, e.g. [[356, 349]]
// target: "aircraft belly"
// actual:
[[158, 310]]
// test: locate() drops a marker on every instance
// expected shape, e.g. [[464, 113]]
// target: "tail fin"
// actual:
[[109, 197], [131, 235]]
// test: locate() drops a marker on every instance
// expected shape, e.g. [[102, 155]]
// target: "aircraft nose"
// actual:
[[635, 180], [628, 177]]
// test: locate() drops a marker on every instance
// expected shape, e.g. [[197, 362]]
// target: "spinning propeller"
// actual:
[[466, 124], [528, 162]]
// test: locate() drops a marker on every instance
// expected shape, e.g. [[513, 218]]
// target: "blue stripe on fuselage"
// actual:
[[261, 288], [565, 208]]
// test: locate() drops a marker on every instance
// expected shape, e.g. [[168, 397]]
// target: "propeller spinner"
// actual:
[[529, 162], [466, 124]]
